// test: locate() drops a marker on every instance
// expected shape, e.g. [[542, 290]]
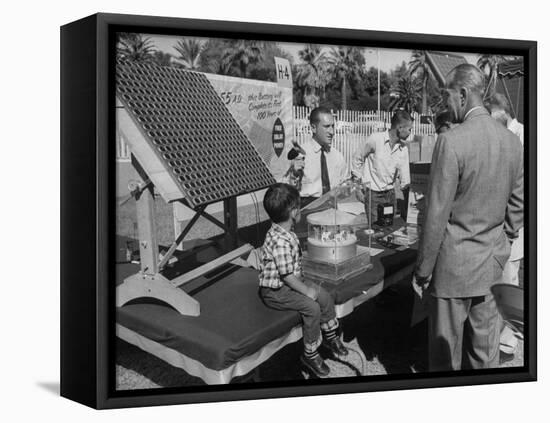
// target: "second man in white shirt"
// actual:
[[382, 159]]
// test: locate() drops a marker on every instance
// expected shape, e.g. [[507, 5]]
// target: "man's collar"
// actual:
[[387, 140], [475, 111], [317, 147]]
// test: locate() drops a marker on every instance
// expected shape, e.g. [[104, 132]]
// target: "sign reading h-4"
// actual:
[[283, 71]]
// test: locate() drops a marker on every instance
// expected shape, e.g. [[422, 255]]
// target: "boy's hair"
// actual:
[[279, 200]]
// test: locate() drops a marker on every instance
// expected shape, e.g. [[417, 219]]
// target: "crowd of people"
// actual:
[[471, 236]]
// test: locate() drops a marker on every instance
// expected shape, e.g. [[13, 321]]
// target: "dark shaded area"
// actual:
[[52, 387], [382, 328]]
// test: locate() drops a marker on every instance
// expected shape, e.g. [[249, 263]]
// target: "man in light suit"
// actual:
[[474, 211]]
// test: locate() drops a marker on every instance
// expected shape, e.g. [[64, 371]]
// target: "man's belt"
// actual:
[[381, 192]]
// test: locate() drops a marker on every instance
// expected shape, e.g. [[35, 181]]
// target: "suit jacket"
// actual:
[[474, 205]]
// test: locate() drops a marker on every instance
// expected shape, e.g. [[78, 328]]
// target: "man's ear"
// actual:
[[463, 95], [313, 128]]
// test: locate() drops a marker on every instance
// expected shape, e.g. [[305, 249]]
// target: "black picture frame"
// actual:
[[87, 174]]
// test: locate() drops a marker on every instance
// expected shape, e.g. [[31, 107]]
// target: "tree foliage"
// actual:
[[335, 77], [346, 65], [419, 68], [135, 47], [211, 54], [312, 75], [370, 82], [162, 59], [240, 54], [189, 50], [407, 94]]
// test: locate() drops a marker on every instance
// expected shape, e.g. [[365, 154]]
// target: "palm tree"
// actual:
[[406, 94], [135, 47], [209, 60], [162, 59], [489, 64], [312, 75], [190, 50], [418, 66], [265, 70], [347, 63], [242, 53]]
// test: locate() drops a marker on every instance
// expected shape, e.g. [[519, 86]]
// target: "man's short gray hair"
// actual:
[[468, 76]]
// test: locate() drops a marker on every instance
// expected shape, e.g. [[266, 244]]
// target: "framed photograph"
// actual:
[[260, 211]]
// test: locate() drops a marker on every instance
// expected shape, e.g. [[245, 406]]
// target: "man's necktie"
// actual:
[[325, 181]]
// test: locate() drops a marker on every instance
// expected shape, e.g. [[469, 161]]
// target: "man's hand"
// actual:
[[360, 191], [420, 285], [298, 164], [312, 293]]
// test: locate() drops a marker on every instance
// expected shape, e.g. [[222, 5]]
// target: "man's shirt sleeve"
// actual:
[[344, 169], [358, 159]]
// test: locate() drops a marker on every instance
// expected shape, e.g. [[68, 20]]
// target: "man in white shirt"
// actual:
[[323, 166], [499, 107], [381, 160]]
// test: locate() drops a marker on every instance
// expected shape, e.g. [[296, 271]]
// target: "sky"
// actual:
[[389, 58]]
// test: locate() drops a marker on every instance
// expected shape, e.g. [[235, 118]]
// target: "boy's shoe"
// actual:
[[335, 347], [505, 357], [316, 365]]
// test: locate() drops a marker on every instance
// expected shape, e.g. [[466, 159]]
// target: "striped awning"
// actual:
[[511, 84], [511, 69]]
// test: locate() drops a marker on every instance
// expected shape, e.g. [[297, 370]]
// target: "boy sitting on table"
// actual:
[[281, 283]]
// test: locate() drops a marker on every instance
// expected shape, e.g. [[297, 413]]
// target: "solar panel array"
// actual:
[[195, 136]]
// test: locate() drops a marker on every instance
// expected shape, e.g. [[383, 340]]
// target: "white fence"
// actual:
[[352, 127]]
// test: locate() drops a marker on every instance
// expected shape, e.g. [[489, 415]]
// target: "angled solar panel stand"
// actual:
[[187, 146]]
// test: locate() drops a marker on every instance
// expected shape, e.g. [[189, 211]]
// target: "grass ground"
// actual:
[[378, 332]]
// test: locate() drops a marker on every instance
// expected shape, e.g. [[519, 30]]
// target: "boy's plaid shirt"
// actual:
[[281, 255]]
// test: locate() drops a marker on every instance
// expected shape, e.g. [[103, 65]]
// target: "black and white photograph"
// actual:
[[277, 211], [301, 212]]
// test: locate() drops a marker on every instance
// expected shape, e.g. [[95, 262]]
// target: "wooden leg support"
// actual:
[[156, 286]]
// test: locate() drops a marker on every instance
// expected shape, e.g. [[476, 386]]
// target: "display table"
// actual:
[[235, 331]]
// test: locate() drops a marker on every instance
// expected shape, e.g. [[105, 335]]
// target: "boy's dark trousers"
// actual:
[[314, 313]]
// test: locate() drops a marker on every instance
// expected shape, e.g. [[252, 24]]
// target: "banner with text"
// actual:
[[264, 112]]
